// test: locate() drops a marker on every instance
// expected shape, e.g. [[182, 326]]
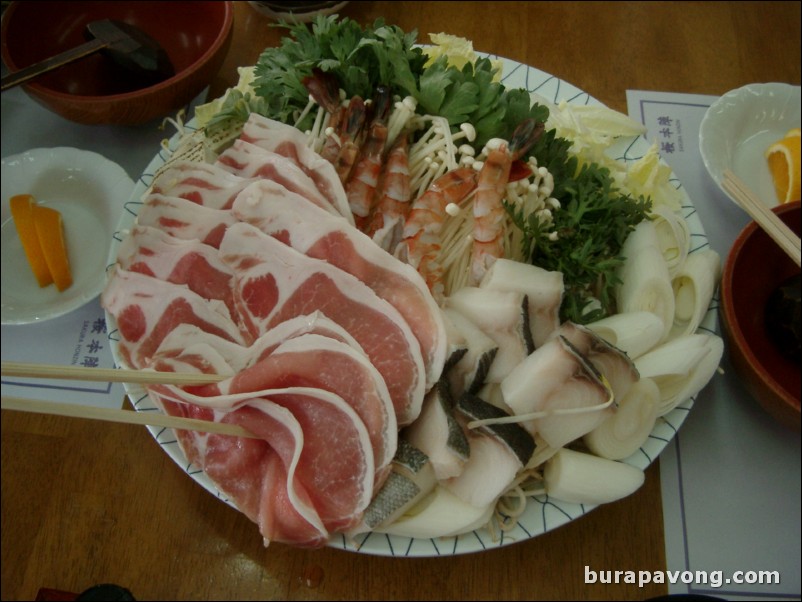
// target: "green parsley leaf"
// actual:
[[592, 224]]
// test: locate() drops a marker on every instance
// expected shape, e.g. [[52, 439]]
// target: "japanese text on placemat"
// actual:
[[89, 346]]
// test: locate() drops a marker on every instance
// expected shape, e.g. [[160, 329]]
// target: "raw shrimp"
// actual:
[[360, 187], [488, 210], [421, 244], [325, 91], [349, 138], [391, 209]]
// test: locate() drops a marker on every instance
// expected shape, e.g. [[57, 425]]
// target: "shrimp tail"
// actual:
[[349, 133], [324, 88], [524, 137]]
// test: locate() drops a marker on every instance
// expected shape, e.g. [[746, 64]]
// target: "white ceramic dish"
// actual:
[[542, 513], [88, 190], [738, 128]]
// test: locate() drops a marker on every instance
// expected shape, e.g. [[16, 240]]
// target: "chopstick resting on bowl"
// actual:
[[765, 217], [109, 414]]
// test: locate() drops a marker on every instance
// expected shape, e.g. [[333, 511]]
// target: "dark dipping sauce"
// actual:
[[782, 318]]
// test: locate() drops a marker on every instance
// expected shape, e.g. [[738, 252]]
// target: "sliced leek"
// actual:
[[645, 282], [634, 333], [623, 432], [681, 367], [694, 285], [581, 478], [673, 237]]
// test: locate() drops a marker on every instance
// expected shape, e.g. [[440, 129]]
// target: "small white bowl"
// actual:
[[89, 191], [738, 128]]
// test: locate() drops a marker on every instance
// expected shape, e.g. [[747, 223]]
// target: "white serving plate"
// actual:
[[542, 514]]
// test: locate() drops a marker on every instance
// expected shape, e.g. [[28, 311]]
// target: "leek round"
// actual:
[[634, 333], [581, 478], [645, 282], [673, 237], [681, 367], [693, 286], [623, 432]]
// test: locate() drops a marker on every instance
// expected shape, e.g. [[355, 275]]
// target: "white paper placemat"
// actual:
[[731, 477], [76, 339]]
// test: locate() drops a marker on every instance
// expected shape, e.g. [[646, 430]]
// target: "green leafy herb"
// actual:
[[362, 59], [591, 226]]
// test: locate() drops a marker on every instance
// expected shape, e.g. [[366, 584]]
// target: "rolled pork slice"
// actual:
[[307, 360], [310, 492]]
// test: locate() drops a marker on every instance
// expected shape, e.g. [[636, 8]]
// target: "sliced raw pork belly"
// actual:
[[288, 141], [276, 283], [206, 184], [239, 358], [184, 219], [250, 161], [316, 234], [324, 490], [147, 309], [307, 360], [155, 253], [312, 360], [252, 473]]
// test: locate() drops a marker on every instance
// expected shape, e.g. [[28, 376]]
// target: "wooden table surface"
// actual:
[[83, 504]]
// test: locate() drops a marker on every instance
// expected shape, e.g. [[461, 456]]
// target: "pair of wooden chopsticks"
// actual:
[[765, 217], [109, 414]]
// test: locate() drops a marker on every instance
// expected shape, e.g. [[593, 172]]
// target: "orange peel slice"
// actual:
[[50, 228], [22, 207]]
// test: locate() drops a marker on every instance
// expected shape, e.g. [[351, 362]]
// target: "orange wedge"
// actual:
[[50, 229], [784, 164], [22, 206]]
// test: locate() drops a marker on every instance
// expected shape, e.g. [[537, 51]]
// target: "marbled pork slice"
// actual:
[[316, 234], [288, 141], [205, 184], [252, 473], [238, 357], [308, 360], [250, 161], [147, 309], [187, 348], [153, 252], [276, 283], [184, 219], [322, 442]]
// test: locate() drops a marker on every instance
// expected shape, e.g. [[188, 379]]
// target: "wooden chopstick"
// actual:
[[22, 369], [765, 217], [126, 416]]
